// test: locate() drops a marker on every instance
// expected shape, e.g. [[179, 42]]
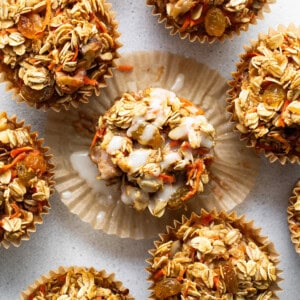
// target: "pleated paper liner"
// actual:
[[200, 34], [102, 279], [16, 238], [82, 95], [233, 170], [234, 90], [180, 231], [294, 217]]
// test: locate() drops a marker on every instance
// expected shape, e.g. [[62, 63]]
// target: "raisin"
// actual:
[[215, 22]]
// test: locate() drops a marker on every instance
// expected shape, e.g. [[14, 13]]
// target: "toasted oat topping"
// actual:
[[56, 50], [80, 283], [213, 18], [24, 180], [158, 145], [268, 107], [211, 258]]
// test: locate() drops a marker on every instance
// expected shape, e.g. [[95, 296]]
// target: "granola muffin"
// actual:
[[207, 20], [25, 181], [77, 283], [213, 256], [158, 145], [294, 216], [57, 53], [264, 95]]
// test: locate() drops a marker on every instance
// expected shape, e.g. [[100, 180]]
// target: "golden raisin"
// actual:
[[273, 95], [215, 22], [166, 288], [36, 162], [30, 25]]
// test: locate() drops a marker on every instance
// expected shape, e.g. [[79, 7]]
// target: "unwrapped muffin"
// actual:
[[57, 53], [77, 283], [294, 216], [158, 145], [264, 95], [213, 256], [25, 180], [206, 20]]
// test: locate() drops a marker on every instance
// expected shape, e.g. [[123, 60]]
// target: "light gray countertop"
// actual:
[[64, 239]]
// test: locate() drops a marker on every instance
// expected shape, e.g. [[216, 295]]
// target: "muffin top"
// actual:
[[211, 256], [25, 180], [158, 145], [57, 52], [80, 283], [213, 19], [265, 94]]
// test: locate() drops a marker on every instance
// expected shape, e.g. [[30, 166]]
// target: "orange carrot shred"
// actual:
[[16, 209], [17, 151], [198, 167], [125, 68], [158, 274], [7, 167], [89, 81], [167, 178]]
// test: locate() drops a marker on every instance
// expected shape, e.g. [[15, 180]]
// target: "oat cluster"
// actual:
[[25, 184], [80, 283], [267, 107], [158, 145], [209, 17], [211, 257], [56, 51]]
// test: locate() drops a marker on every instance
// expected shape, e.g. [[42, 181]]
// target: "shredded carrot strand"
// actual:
[[17, 151], [158, 274], [16, 209], [7, 167], [89, 81], [281, 120], [167, 178], [125, 68], [198, 167], [98, 135]]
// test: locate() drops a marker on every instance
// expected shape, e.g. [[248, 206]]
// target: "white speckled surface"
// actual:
[[64, 239]]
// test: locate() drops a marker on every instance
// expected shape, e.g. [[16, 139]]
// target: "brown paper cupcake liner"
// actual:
[[109, 281], [233, 92], [233, 170], [294, 217], [204, 218], [203, 37], [83, 94], [37, 216]]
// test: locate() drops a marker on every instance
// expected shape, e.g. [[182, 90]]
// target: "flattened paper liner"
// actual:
[[37, 218], [233, 171], [233, 93], [63, 270], [246, 227], [202, 38], [7, 76], [294, 218]]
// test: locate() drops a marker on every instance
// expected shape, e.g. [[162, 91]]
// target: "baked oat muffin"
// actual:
[[77, 283], [294, 216], [57, 53], [159, 146], [213, 256], [264, 95], [208, 20], [25, 181]]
